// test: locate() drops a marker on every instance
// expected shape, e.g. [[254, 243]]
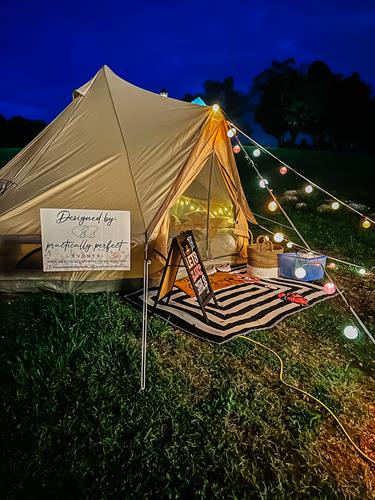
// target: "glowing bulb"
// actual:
[[366, 224], [351, 332], [335, 205], [309, 189], [215, 108], [278, 237], [283, 170], [236, 148], [289, 244], [256, 152], [263, 183], [329, 288], [231, 132], [331, 265], [300, 272], [272, 206], [362, 271]]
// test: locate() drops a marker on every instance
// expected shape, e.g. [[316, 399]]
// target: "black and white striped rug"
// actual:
[[242, 307]]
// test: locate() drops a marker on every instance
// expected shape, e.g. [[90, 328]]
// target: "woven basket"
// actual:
[[263, 253]]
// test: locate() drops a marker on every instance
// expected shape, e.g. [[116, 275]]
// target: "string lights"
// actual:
[[300, 272], [272, 206], [283, 170]]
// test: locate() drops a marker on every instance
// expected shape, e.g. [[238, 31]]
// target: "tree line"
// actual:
[[287, 100], [18, 131]]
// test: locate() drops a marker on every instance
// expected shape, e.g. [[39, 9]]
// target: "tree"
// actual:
[[18, 131], [279, 106], [234, 102]]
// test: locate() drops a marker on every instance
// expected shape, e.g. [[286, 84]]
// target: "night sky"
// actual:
[[48, 50]]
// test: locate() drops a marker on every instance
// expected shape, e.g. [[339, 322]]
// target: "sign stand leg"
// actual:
[[146, 263]]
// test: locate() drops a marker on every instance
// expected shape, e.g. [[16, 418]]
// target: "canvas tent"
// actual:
[[119, 147]]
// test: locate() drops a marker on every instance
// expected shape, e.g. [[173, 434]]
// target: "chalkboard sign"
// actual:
[[184, 247]]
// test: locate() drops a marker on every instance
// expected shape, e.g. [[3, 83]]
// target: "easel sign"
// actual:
[[184, 247]]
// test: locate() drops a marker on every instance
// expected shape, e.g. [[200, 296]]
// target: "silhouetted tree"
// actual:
[[18, 131], [234, 102]]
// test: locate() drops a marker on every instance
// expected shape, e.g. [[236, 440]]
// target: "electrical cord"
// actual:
[[281, 378]]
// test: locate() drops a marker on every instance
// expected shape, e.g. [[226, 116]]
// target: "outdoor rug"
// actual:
[[242, 307]]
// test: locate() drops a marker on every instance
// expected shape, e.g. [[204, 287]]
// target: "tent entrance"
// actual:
[[207, 209]]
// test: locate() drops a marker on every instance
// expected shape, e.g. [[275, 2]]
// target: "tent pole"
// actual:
[[208, 211], [146, 263]]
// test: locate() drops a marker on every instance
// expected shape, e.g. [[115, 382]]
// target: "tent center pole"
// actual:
[[146, 264]]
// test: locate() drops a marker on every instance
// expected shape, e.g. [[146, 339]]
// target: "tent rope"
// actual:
[[265, 150], [354, 313]]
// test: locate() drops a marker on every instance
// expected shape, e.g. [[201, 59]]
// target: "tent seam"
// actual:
[[126, 152]]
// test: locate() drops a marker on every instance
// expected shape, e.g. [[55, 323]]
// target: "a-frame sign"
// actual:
[[184, 247]]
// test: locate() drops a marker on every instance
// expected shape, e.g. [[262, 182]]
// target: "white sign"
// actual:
[[75, 240]]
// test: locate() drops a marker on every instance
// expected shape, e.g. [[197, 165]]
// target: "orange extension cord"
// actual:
[[281, 378]]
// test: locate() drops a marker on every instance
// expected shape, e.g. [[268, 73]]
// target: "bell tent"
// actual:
[[119, 147]]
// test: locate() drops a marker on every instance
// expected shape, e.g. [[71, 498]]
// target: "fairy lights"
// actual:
[[263, 183], [308, 189], [256, 152], [335, 205], [236, 149], [272, 206], [300, 272], [362, 271], [351, 332], [329, 288], [366, 224], [215, 108], [283, 170], [278, 237], [289, 244], [231, 132]]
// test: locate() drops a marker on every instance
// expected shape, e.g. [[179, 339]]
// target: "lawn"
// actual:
[[214, 421]]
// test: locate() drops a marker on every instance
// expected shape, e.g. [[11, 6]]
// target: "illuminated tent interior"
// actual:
[[119, 147]]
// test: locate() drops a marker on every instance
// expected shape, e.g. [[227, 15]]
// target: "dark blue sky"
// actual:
[[49, 48]]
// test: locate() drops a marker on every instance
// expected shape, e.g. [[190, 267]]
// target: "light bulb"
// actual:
[[215, 108], [263, 183], [256, 152], [289, 244], [231, 132], [366, 224], [309, 189], [272, 206], [283, 170], [335, 205], [331, 265], [362, 271], [329, 288], [236, 148], [351, 332], [278, 237], [300, 272]]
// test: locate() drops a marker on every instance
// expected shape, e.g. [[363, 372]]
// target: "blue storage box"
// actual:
[[309, 266]]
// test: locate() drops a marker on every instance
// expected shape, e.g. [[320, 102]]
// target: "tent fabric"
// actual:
[[117, 147]]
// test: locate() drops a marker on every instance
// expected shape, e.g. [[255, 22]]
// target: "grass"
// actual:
[[213, 422]]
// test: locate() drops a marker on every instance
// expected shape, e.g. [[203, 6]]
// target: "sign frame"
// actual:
[[182, 247]]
